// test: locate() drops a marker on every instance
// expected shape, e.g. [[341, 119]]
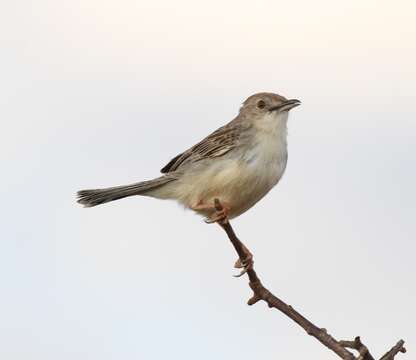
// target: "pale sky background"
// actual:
[[100, 93]]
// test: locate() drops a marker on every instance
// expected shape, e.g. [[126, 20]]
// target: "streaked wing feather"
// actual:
[[217, 144]]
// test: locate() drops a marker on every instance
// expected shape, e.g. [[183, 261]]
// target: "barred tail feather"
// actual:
[[93, 197]]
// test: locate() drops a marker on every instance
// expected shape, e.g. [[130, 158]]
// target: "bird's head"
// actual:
[[267, 107]]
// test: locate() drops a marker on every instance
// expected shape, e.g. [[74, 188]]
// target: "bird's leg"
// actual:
[[245, 259], [245, 263], [219, 216], [202, 206]]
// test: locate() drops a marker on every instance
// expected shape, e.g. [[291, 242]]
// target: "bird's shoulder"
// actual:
[[218, 143]]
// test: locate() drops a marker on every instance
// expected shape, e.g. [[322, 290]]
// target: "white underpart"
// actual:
[[269, 153], [267, 159]]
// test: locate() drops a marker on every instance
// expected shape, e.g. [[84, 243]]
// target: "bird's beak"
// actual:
[[286, 106]]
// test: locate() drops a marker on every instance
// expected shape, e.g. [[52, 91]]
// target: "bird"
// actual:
[[235, 166], [238, 164]]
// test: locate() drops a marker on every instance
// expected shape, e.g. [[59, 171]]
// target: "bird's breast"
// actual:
[[260, 169], [267, 157]]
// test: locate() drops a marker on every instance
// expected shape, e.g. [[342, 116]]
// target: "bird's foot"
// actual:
[[244, 264], [219, 216]]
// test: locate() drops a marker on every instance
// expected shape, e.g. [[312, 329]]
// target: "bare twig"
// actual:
[[389, 355], [363, 352], [321, 334]]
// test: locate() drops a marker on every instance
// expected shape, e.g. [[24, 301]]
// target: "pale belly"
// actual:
[[238, 183]]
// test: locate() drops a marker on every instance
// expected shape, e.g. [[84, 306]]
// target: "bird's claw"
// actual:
[[244, 265], [218, 217]]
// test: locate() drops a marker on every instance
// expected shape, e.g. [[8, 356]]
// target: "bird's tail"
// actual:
[[94, 197]]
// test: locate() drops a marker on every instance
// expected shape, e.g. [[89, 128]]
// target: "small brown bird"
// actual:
[[238, 164]]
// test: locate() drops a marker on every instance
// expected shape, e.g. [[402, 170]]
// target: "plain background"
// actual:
[[100, 93]]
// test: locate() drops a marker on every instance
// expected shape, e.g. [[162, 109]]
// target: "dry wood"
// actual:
[[340, 347]]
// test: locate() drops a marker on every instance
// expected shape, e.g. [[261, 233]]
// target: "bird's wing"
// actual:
[[216, 144]]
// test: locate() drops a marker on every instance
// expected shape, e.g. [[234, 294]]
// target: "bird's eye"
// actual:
[[261, 104]]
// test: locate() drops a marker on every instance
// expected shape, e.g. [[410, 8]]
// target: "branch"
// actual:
[[389, 355], [321, 334]]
